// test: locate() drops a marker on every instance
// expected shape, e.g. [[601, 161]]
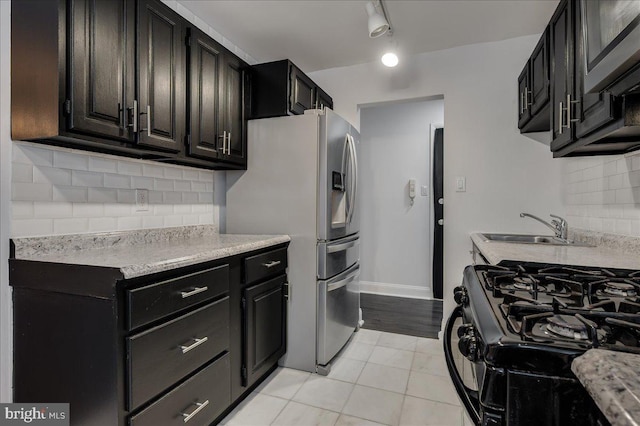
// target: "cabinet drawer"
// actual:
[[265, 265], [163, 355], [149, 303], [210, 388]]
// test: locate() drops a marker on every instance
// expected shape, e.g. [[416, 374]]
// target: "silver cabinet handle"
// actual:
[[560, 125], [149, 120], [229, 144], [197, 343], [199, 407], [271, 264], [193, 292], [569, 103], [521, 103], [525, 105], [224, 141], [134, 117], [440, 221]]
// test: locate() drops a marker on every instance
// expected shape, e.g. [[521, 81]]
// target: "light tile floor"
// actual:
[[378, 378]]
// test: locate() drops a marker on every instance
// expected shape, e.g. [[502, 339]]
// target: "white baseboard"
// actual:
[[397, 290]]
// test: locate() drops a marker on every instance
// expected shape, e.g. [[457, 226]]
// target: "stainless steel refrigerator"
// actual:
[[301, 180]]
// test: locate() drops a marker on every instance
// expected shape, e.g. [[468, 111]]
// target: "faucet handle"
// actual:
[[558, 217]]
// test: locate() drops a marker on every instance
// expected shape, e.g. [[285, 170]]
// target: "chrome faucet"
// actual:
[[558, 226]]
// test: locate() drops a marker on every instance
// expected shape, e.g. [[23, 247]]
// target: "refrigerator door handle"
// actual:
[[353, 173], [346, 163], [341, 247], [334, 286]]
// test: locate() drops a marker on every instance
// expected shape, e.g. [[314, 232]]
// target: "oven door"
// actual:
[[461, 370]]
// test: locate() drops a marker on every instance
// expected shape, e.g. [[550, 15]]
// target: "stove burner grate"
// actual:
[[567, 326]]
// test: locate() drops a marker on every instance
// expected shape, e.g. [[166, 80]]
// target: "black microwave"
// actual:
[[611, 31]]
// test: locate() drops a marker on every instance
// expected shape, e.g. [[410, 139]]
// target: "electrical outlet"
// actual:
[[142, 200]]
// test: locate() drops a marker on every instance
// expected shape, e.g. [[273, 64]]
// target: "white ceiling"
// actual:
[[321, 34]]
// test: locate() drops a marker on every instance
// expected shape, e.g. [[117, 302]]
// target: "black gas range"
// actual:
[[523, 324]]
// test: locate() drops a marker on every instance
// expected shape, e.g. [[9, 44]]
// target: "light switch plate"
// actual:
[[424, 190], [461, 184]]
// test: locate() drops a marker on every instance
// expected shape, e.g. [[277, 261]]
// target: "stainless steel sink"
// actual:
[[529, 239]]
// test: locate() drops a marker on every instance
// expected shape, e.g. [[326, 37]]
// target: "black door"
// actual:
[[161, 66], [438, 207], [101, 62]]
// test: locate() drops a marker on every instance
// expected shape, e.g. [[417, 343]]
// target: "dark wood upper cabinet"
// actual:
[[219, 102], [102, 68], [533, 90], [161, 105], [236, 104], [205, 116], [281, 88], [111, 76]]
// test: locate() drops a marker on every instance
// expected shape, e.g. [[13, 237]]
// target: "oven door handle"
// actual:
[[468, 396]]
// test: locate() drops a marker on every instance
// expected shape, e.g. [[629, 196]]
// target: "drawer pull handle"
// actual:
[[200, 407], [197, 342], [271, 264], [193, 292]]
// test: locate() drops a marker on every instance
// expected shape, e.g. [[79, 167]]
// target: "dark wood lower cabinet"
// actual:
[[82, 336]]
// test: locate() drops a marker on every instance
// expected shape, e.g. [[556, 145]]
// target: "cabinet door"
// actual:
[[595, 109], [161, 98], [524, 113], [562, 70], [538, 95], [302, 94], [323, 99], [101, 63], [264, 328], [234, 107], [205, 71]]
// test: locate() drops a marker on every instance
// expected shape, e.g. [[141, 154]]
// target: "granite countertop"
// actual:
[[626, 256], [613, 381], [141, 252]]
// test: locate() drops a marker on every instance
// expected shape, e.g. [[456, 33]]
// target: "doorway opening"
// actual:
[[401, 273]]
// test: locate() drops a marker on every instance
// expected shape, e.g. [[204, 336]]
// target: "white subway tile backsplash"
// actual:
[[171, 197], [70, 160], [52, 209], [129, 168], [172, 173], [603, 193], [128, 223], [100, 164], [31, 227], [142, 183], [101, 224], [88, 210], [57, 191], [51, 175], [88, 179], [117, 181], [71, 225], [126, 196], [28, 154], [70, 194], [22, 209], [21, 191], [163, 185], [103, 195], [22, 173]]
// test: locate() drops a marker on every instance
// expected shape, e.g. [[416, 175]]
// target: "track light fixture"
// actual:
[[378, 24]]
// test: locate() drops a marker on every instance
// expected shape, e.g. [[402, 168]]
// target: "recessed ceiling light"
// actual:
[[390, 59]]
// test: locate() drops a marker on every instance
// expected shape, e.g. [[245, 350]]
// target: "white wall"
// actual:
[[396, 241], [603, 193], [506, 172]]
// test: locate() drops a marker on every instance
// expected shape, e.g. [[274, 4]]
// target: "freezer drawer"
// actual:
[[337, 256], [338, 305]]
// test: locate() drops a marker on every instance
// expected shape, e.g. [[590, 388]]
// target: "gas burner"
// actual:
[[522, 286], [567, 326], [619, 289]]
